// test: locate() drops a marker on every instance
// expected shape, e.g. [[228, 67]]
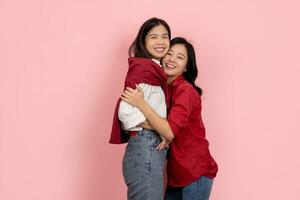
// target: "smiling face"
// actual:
[[157, 42], [174, 63]]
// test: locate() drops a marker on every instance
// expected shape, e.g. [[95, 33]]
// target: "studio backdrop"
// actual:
[[62, 68]]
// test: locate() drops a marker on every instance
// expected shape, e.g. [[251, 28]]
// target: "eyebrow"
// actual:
[[178, 53], [158, 34], [182, 54]]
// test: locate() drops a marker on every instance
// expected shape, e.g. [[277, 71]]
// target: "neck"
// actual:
[[170, 79], [156, 59]]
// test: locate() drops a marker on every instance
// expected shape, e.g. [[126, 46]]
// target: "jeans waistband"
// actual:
[[143, 132]]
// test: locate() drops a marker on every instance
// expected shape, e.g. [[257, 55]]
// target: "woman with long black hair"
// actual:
[[191, 168], [145, 155]]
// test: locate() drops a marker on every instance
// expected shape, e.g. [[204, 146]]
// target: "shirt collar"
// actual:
[[156, 61], [177, 81]]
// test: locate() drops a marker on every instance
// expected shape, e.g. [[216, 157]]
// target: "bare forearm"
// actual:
[[146, 125], [158, 123]]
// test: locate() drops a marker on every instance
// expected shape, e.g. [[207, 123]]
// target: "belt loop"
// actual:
[[140, 132]]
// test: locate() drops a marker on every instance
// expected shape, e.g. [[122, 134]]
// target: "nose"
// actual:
[[172, 58], [160, 40]]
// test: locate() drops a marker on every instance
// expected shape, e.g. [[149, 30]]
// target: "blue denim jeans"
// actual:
[[143, 166], [198, 190]]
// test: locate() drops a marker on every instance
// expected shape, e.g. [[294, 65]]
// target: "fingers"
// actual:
[[130, 89], [137, 92], [124, 99], [138, 88], [127, 92], [163, 145], [125, 95], [132, 96], [158, 147]]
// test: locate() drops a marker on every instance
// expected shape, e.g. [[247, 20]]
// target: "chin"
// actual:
[[158, 56]]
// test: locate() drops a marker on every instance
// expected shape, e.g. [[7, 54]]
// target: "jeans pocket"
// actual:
[[134, 139], [155, 142]]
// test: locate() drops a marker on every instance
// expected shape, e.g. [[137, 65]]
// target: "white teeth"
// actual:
[[170, 66], [159, 49]]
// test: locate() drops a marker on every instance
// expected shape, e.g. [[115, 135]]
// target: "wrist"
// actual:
[[141, 105]]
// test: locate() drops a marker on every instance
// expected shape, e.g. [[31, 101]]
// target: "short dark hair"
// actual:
[[138, 48]]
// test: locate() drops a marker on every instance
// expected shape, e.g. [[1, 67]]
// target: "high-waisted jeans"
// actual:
[[143, 166]]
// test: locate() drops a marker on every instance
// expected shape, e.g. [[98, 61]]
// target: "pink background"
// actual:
[[62, 66]]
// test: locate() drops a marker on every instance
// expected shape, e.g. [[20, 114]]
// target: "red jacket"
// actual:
[[141, 70], [189, 156]]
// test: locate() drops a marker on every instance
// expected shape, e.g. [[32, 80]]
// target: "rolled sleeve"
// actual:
[[130, 116]]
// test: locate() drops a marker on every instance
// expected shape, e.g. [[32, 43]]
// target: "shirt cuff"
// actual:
[[175, 128], [132, 122]]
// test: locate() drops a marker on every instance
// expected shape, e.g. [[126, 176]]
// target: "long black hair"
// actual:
[[138, 48], [191, 72]]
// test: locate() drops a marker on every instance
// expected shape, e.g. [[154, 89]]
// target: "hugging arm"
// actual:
[[161, 125]]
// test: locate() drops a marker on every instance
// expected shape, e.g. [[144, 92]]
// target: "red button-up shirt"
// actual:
[[189, 156]]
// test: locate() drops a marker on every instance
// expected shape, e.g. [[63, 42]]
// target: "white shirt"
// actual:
[[131, 116]]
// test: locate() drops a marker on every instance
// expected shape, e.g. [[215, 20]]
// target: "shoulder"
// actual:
[[134, 61], [142, 65], [186, 88], [187, 91]]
